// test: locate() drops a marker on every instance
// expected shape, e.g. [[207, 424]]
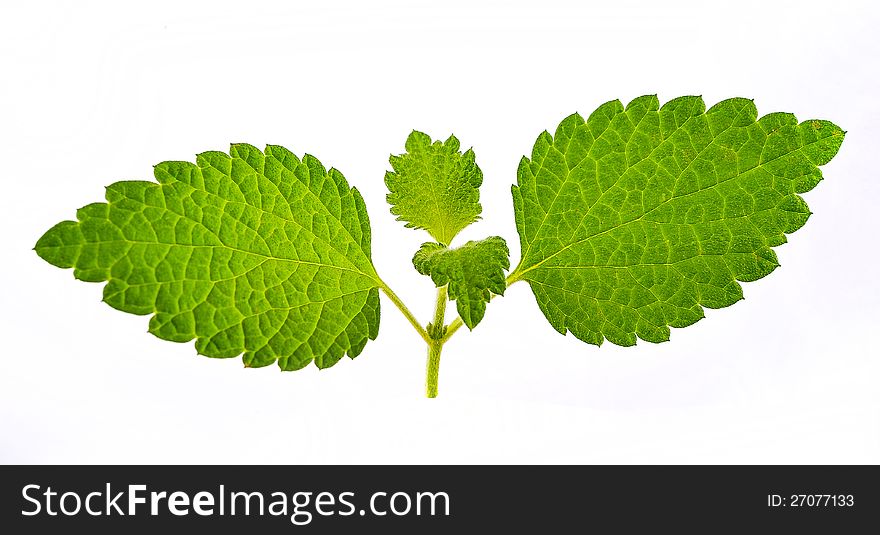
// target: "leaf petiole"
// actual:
[[405, 311]]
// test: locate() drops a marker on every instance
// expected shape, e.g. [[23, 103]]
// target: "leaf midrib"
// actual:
[[245, 251], [739, 174]]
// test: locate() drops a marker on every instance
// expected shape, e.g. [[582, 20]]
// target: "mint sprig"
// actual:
[[631, 221]]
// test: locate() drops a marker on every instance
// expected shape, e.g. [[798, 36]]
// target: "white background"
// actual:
[[96, 92]]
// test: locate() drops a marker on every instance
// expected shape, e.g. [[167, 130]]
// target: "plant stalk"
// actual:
[[436, 333], [405, 311], [433, 372]]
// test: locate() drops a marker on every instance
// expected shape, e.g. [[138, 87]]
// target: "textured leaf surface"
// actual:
[[634, 220], [264, 255], [434, 186], [473, 272]]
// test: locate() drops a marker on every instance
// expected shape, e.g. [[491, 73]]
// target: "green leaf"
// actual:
[[473, 272], [261, 254], [434, 186], [634, 220]]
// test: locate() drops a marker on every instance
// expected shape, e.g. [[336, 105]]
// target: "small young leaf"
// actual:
[[435, 187], [473, 272], [634, 220], [262, 254]]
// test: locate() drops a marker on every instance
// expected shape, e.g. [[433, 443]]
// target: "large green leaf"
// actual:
[[634, 220], [261, 254]]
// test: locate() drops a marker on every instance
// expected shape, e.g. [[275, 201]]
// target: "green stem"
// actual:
[[454, 326], [436, 334], [433, 373], [439, 312], [436, 330], [407, 314]]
